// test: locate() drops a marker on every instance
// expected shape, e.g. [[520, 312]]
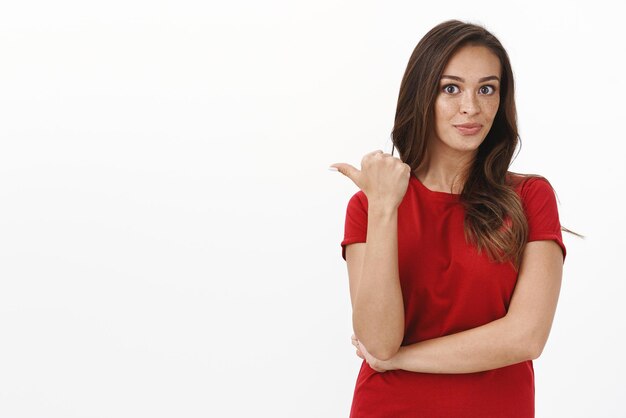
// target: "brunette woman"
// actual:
[[454, 262]]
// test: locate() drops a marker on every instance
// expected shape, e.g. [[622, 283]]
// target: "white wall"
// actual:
[[169, 231]]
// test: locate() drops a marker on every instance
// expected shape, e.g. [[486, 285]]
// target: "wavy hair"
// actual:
[[494, 219]]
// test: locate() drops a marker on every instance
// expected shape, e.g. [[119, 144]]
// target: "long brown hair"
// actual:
[[488, 194]]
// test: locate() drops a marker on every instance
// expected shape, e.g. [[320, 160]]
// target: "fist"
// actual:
[[383, 178]]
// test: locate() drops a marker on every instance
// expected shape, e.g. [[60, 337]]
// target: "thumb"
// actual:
[[349, 171]]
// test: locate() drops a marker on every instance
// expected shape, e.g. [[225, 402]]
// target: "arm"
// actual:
[[377, 304], [516, 337], [375, 292]]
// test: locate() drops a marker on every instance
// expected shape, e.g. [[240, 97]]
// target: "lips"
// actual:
[[469, 125], [469, 128]]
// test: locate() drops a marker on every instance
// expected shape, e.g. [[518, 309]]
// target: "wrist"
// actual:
[[395, 362], [381, 209]]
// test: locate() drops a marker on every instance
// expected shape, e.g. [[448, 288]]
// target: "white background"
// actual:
[[169, 231]]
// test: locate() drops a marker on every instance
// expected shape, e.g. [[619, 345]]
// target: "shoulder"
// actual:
[[541, 209], [358, 199], [538, 199], [528, 186]]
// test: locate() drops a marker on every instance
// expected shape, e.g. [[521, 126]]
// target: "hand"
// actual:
[[383, 178], [380, 366]]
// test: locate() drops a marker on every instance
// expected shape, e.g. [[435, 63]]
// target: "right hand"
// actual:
[[383, 178]]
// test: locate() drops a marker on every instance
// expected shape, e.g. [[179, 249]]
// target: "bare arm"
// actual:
[[520, 335], [377, 305], [375, 292]]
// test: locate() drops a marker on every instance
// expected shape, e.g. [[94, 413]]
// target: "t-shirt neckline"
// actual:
[[452, 197]]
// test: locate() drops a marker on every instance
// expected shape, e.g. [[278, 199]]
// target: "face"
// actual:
[[469, 93]]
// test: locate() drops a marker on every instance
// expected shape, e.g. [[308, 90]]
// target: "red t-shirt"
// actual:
[[447, 288]]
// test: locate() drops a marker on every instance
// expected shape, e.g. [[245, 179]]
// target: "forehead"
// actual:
[[473, 62]]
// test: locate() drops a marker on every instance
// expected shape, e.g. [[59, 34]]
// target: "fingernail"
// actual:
[[333, 168]]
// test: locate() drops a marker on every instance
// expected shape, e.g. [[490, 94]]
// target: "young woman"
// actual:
[[454, 262]]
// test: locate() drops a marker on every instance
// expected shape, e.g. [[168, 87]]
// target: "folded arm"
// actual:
[[520, 335]]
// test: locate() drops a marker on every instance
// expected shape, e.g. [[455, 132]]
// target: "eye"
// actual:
[[493, 89], [446, 88]]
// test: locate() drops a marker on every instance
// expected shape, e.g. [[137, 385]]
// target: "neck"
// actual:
[[445, 172]]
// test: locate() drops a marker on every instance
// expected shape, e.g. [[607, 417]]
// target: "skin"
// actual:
[[375, 292], [520, 335], [471, 101]]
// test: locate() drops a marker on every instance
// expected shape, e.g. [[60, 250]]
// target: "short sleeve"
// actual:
[[355, 229], [542, 213]]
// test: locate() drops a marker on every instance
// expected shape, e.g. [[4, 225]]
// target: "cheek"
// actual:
[[492, 107], [445, 110]]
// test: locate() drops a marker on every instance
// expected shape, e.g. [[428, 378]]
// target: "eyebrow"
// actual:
[[491, 77]]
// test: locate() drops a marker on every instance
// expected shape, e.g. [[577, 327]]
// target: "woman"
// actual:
[[454, 263]]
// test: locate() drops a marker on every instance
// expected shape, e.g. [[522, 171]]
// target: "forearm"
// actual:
[[497, 344], [378, 311]]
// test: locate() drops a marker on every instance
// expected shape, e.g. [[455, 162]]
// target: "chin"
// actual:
[[469, 146], [461, 143]]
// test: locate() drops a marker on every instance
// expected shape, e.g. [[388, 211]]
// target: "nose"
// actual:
[[469, 103]]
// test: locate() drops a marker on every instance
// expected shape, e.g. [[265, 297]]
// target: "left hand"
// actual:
[[380, 366]]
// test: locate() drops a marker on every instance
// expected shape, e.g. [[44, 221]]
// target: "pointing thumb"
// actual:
[[349, 171]]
